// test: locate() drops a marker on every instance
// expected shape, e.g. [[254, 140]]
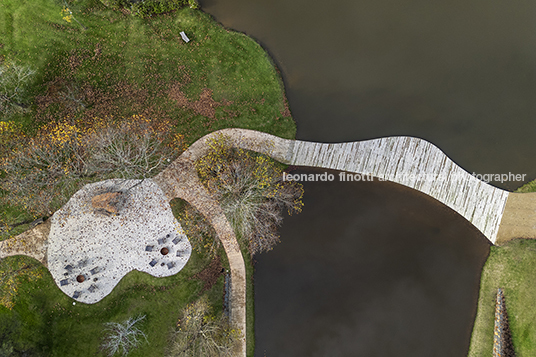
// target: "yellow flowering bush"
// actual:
[[250, 188], [42, 172], [7, 127], [9, 130], [66, 14]]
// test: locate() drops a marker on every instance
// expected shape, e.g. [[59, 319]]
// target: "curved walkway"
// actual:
[[180, 180], [409, 161], [412, 162], [397, 159], [415, 163], [32, 243]]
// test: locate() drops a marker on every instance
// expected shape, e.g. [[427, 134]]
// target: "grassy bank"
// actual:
[[123, 65], [510, 267], [119, 66], [528, 187]]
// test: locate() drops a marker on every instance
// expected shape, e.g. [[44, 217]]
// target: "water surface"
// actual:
[[375, 269], [459, 73], [369, 269]]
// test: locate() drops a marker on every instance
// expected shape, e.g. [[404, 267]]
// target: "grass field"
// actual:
[[511, 267], [45, 322], [125, 65], [120, 66]]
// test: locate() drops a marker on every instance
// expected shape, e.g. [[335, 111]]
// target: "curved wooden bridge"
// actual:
[[500, 215]]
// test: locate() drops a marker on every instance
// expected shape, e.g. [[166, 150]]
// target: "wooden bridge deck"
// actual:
[[412, 162], [415, 163]]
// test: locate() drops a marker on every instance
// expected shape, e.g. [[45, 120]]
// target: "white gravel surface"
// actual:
[[104, 248]]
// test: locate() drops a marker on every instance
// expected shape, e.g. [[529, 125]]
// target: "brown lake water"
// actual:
[[374, 269], [369, 269]]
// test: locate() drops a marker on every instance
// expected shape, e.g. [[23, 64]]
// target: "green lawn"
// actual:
[[511, 267], [120, 66], [45, 321], [128, 65]]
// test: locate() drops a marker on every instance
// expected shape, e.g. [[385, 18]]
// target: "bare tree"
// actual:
[[73, 97], [130, 153], [201, 334], [122, 337], [41, 173], [250, 188], [13, 80]]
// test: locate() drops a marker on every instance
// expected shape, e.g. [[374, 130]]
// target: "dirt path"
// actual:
[[33, 243]]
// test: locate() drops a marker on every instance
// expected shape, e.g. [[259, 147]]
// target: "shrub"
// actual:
[[6, 349], [202, 334], [41, 173], [116, 4], [193, 4], [251, 191], [14, 79], [199, 232], [147, 8]]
